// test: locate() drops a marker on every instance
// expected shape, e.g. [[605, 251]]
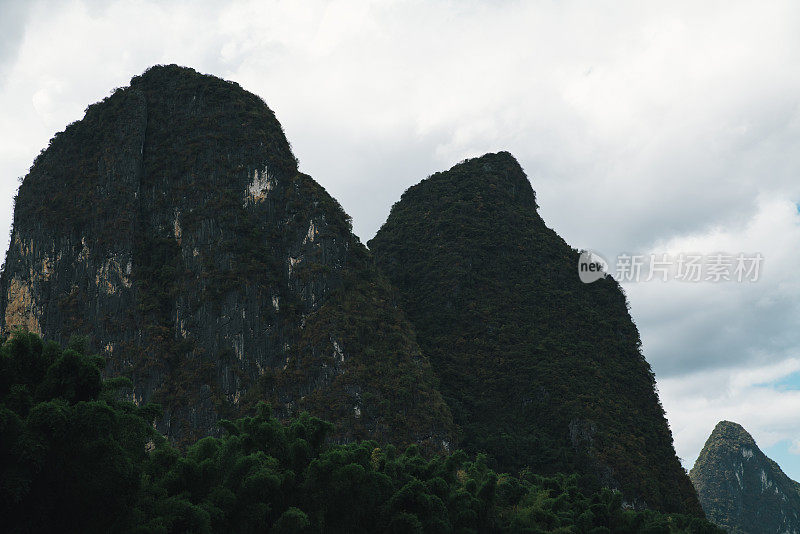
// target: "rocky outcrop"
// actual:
[[742, 490], [540, 369], [172, 227]]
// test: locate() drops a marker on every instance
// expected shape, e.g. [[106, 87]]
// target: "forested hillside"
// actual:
[[539, 369], [265, 370], [171, 227], [740, 488], [75, 458]]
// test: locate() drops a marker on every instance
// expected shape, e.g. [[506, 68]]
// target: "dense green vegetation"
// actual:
[[71, 455], [75, 458], [740, 488], [171, 226], [539, 369]]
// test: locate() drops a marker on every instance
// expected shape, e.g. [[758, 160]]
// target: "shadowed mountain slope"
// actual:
[[171, 226], [539, 369], [741, 489]]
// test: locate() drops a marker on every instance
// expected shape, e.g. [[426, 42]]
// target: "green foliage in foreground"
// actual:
[[75, 458], [71, 456]]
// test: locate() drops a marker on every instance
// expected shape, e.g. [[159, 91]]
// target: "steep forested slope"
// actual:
[[75, 458], [741, 489], [539, 369], [172, 227]]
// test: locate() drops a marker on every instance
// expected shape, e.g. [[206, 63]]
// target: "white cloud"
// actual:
[[695, 403], [687, 327], [720, 350]]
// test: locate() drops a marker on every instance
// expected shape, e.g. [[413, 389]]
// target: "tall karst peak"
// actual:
[[539, 369], [495, 173], [740, 488], [732, 434], [171, 226]]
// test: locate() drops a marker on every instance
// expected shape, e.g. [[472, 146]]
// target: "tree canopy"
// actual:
[[76, 456]]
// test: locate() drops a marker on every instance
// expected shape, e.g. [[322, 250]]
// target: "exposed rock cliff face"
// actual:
[[742, 490], [172, 227], [539, 369]]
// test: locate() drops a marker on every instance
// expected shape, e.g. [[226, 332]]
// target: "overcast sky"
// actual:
[[643, 127]]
